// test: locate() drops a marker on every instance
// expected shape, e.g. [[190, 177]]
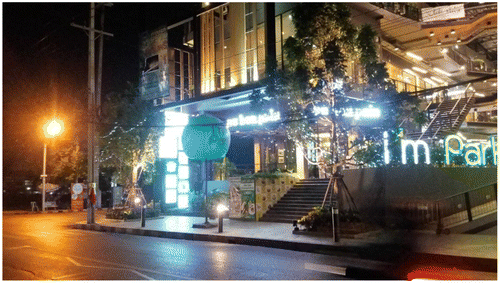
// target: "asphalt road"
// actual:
[[41, 247]]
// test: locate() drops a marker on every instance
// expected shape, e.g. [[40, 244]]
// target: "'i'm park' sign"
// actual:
[[474, 153]]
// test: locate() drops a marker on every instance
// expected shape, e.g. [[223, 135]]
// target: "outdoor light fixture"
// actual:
[[439, 43], [480, 94], [396, 48], [429, 81], [51, 129], [459, 40], [431, 34], [452, 31], [410, 72], [414, 56], [420, 70], [444, 50], [442, 72], [137, 200], [437, 79], [221, 208], [456, 46], [462, 67]]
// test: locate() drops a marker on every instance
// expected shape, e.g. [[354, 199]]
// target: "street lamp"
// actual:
[[52, 129], [221, 208]]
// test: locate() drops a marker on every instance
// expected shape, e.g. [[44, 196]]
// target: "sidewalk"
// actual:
[[476, 251]]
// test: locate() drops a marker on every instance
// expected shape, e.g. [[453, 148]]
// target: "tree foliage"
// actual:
[[129, 138], [324, 47], [67, 164]]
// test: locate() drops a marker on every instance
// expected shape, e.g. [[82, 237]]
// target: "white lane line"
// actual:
[[326, 268], [73, 261], [142, 275], [118, 268], [17, 237], [69, 275], [478, 246], [17, 248], [124, 266]]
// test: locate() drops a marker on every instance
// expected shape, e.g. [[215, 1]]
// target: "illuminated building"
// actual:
[[212, 62]]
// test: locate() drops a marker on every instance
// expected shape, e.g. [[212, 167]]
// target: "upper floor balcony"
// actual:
[[411, 11]]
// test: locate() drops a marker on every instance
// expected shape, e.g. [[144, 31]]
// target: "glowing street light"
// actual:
[[221, 208], [51, 129]]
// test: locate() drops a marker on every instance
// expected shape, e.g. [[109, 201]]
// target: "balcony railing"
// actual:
[[401, 9], [472, 66], [472, 10]]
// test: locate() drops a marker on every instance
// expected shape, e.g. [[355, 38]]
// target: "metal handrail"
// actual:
[[468, 206], [434, 118], [475, 189], [455, 106], [465, 106], [327, 190]]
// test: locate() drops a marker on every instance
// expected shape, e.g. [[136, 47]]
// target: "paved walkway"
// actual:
[[479, 250]]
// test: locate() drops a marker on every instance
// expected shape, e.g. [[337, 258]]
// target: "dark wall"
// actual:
[[374, 189]]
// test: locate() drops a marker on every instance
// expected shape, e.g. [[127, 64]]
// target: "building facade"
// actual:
[[213, 62]]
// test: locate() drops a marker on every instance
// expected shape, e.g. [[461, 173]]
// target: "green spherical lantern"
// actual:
[[205, 138]]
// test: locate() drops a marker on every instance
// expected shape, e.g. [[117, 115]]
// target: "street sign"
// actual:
[[77, 196], [77, 188]]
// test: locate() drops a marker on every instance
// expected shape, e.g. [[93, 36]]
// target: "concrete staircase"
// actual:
[[298, 201], [445, 119]]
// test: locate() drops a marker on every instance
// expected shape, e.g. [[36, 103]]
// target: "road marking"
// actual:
[[124, 267], [14, 236], [73, 261], [69, 275], [337, 270], [17, 248], [142, 275], [478, 246], [105, 267]]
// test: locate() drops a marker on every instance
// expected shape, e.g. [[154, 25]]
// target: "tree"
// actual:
[[129, 141], [68, 164], [318, 57]]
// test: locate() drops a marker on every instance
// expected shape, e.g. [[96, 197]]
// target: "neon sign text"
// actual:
[[242, 120], [474, 153], [404, 147], [369, 112]]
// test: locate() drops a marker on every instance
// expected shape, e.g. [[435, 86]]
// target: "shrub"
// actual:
[[318, 218]]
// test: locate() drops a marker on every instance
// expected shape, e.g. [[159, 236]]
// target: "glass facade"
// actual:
[[239, 56]]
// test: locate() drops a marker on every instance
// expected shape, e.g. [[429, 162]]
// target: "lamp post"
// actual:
[[221, 209], [52, 129]]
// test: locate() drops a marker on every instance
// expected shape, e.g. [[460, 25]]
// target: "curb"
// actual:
[[37, 212], [19, 212], [368, 251]]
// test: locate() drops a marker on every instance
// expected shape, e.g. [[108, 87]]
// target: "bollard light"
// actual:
[[221, 208]]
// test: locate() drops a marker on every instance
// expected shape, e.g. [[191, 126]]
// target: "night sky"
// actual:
[[45, 67]]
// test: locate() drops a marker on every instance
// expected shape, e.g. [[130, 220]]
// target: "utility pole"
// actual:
[[94, 101]]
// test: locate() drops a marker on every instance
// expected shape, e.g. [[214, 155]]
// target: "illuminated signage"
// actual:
[[369, 112], [415, 145], [474, 153], [243, 120], [176, 161], [363, 113]]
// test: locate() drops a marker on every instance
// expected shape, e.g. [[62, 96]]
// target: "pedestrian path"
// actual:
[[237, 231]]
